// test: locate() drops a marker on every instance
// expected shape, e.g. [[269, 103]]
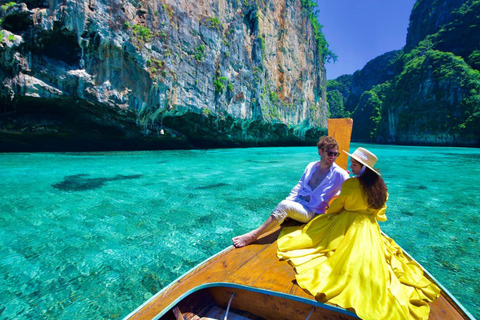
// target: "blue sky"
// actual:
[[361, 30]]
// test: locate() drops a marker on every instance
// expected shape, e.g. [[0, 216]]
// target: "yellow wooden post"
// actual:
[[341, 130]]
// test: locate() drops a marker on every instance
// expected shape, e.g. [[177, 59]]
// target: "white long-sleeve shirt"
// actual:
[[321, 195]]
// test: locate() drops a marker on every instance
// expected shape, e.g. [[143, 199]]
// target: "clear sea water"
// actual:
[[94, 235]]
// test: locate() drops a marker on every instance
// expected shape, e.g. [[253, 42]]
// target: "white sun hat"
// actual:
[[365, 157]]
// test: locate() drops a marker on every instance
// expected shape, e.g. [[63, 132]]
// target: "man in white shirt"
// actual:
[[320, 181]]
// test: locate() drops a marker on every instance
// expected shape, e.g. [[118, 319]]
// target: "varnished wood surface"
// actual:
[[257, 266], [341, 130]]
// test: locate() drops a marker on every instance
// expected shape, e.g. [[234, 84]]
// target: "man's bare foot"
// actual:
[[244, 240]]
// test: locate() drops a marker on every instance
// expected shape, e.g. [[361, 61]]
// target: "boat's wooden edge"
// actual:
[[444, 292], [175, 282]]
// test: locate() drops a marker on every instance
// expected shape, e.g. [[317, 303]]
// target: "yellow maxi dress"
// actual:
[[342, 257]]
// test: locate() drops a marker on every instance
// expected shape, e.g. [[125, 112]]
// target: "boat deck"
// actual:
[[256, 266]]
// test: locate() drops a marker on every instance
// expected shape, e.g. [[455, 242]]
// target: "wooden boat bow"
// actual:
[[257, 269]]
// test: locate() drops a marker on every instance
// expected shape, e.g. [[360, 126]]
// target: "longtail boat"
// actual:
[[252, 283]]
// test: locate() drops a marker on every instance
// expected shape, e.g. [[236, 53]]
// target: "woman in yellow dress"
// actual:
[[342, 256]]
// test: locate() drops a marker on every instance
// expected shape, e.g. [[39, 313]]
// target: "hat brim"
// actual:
[[362, 162]]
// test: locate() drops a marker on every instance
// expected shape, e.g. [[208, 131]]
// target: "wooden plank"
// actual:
[[341, 130], [254, 272], [445, 308], [299, 292], [178, 314]]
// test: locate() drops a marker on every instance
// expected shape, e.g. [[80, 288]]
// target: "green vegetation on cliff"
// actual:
[[323, 46], [436, 92], [370, 111], [337, 94], [8, 5]]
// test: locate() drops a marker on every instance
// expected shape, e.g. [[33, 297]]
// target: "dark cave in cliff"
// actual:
[[59, 44]]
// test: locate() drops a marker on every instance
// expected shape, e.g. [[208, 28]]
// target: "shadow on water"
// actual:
[[417, 187], [264, 161], [210, 186], [474, 156], [79, 182]]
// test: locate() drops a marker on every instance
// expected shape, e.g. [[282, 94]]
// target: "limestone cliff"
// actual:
[[98, 74], [428, 17], [429, 92]]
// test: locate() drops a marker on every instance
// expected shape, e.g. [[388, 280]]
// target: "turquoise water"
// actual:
[[93, 235]]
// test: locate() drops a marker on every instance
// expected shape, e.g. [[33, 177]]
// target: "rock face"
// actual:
[[428, 17], [429, 92], [130, 74]]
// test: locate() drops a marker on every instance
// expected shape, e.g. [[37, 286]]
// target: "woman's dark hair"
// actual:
[[374, 188]]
